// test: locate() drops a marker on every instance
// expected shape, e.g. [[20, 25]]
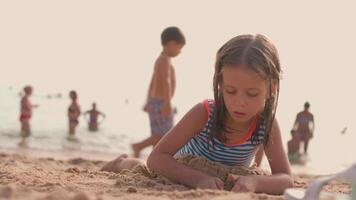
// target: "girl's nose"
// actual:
[[240, 100]]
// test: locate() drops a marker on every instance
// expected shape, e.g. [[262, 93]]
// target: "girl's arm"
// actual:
[[161, 159], [281, 173]]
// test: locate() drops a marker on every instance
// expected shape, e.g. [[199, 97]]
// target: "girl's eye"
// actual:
[[230, 92], [252, 94]]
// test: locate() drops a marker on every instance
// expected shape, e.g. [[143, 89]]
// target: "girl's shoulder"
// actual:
[[201, 115], [195, 119], [209, 106], [202, 109]]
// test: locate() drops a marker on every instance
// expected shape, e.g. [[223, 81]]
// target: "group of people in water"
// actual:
[[74, 112], [229, 129]]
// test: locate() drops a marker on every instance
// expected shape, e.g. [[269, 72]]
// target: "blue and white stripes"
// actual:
[[232, 155]]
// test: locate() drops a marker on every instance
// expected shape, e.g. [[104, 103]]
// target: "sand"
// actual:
[[30, 178]]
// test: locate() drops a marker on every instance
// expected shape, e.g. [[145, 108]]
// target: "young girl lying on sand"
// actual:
[[229, 129]]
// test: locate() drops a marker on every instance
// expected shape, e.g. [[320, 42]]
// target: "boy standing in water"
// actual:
[[161, 89]]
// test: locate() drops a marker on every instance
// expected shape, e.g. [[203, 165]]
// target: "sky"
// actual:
[[106, 50]]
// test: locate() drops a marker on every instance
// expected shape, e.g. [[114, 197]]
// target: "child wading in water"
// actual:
[[73, 112], [293, 147], [230, 129], [26, 114], [161, 89]]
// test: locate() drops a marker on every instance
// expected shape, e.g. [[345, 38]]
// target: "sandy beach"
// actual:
[[87, 81], [23, 177]]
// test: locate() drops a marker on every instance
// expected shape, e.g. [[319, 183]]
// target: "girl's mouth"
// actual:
[[239, 114]]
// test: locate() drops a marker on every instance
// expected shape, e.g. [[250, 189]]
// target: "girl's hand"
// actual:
[[210, 182], [243, 183]]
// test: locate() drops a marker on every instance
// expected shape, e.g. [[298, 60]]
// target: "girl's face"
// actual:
[[244, 92]]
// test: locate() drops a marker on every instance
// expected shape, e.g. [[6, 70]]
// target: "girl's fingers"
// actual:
[[236, 188], [219, 184], [232, 177]]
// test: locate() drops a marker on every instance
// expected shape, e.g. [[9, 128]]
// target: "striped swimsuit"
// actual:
[[240, 154]]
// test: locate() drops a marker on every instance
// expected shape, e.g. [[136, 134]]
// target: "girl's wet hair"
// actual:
[[256, 53]]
